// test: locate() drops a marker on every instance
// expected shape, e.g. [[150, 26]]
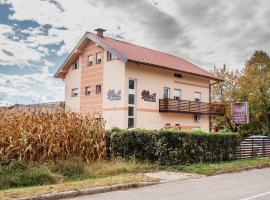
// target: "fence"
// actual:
[[254, 146]]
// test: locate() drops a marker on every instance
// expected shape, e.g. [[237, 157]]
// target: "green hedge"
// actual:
[[171, 147]]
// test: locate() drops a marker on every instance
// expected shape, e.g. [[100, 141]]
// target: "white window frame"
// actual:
[[76, 65], [169, 92], [86, 91], [75, 94], [132, 91], [195, 96], [180, 94], [99, 53], [88, 63]]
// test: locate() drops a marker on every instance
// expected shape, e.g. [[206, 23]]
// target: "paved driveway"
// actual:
[[248, 185]]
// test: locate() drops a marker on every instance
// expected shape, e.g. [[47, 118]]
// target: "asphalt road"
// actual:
[[248, 185]]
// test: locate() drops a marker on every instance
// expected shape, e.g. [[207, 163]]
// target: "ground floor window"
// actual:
[[131, 102]]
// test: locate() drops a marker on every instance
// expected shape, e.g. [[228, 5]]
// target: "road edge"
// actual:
[[88, 191]]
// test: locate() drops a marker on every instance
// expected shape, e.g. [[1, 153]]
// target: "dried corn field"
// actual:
[[46, 137]]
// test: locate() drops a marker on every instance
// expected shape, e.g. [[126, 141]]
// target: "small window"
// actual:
[[87, 91], [131, 111], [110, 56], [75, 92], [98, 89], [177, 94], [197, 117], [76, 64], [90, 60], [178, 75], [131, 99], [131, 123], [197, 96], [166, 93], [131, 84], [98, 58]]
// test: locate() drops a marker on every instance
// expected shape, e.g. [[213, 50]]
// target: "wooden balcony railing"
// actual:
[[193, 107]]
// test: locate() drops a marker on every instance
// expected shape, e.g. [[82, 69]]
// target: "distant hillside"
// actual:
[[40, 107]]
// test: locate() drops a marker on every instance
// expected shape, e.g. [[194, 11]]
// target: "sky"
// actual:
[[37, 35]]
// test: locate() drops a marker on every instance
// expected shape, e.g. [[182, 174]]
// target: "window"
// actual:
[[131, 84], [131, 103], [178, 75], [166, 93], [76, 64], [98, 58], [177, 94], [131, 98], [110, 56], [87, 91], [197, 96], [75, 92], [90, 60], [197, 117], [98, 89]]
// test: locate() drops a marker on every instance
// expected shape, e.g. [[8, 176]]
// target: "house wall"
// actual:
[[91, 76], [114, 75], [72, 80], [114, 111], [154, 79]]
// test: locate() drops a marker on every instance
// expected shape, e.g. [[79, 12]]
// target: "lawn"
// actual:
[[222, 167], [19, 180]]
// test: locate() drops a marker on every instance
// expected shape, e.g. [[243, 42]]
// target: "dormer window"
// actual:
[[98, 58], [76, 64]]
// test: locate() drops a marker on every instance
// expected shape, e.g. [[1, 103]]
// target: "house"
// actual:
[[133, 86]]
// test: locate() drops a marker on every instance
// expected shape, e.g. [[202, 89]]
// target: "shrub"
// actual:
[[172, 147], [70, 169], [18, 175], [45, 137]]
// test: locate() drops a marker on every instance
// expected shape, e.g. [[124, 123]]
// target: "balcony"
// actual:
[[191, 107]]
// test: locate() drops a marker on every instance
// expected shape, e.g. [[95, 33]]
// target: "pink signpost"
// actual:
[[240, 113]]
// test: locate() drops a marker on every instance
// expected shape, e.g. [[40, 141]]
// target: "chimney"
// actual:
[[100, 31]]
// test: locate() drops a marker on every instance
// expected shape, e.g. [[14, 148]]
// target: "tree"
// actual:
[[252, 84], [225, 92], [255, 89]]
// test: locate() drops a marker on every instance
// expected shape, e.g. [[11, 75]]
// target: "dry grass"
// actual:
[[88, 183], [46, 137]]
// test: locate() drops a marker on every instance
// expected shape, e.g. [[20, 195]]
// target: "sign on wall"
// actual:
[[240, 113], [112, 95], [146, 96]]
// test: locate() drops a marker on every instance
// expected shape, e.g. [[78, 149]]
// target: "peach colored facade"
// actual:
[[113, 76]]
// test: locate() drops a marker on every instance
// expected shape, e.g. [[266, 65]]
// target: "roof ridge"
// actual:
[[152, 50]]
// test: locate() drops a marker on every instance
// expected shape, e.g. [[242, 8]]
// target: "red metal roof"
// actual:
[[148, 56]]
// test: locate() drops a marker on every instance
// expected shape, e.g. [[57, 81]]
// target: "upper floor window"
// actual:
[[90, 60], [177, 94], [98, 89], [98, 58], [197, 96], [87, 91], [110, 56], [166, 93], [76, 64], [74, 92]]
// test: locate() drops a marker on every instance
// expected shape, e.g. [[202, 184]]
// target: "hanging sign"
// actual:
[[114, 96], [240, 113], [146, 96]]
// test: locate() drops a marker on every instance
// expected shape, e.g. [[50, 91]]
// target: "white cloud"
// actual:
[[15, 52], [29, 88]]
